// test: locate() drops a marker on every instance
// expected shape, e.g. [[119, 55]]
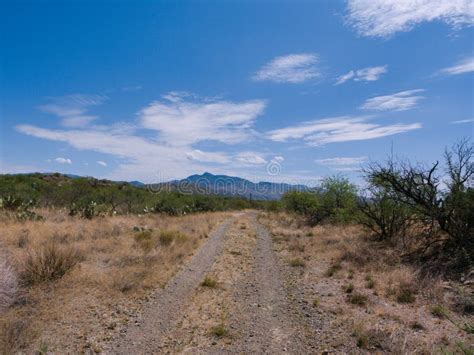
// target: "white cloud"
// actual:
[[366, 74], [341, 161], [463, 121], [209, 157], [464, 66], [293, 68], [400, 101], [338, 129], [103, 163], [61, 160], [181, 122], [250, 158], [384, 18], [72, 109], [278, 158]]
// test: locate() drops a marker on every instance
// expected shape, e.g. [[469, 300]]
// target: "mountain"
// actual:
[[209, 184]]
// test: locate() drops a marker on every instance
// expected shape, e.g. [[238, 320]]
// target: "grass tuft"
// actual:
[[209, 282], [297, 262], [49, 263]]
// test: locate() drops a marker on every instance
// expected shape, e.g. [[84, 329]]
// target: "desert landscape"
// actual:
[[236, 177]]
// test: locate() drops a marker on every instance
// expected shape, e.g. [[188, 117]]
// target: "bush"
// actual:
[[49, 263], [168, 236], [209, 282], [443, 217], [145, 240], [8, 285], [297, 263]]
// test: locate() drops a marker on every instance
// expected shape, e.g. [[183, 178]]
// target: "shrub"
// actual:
[[358, 299], [406, 293], [145, 240], [444, 217], [219, 331], [8, 285], [168, 236], [209, 282], [333, 269], [297, 262], [438, 311], [348, 288], [49, 263]]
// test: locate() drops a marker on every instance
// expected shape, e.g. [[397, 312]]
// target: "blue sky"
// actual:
[[268, 90]]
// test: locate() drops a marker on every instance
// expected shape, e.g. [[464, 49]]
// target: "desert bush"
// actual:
[[48, 263], [8, 285], [297, 262], [145, 240], [333, 202], [444, 217]]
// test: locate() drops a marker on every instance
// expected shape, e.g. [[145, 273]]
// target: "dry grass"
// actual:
[[399, 309], [80, 277], [8, 285]]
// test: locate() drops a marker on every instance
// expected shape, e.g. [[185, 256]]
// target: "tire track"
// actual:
[[166, 305]]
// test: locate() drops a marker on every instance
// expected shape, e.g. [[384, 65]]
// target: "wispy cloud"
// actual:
[[400, 101], [464, 66], [293, 68], [72, 109], [250, 158], [178, 123], [61, 160], [209, 157], [338, 129], [180, 120], [102, 163], [470, 120], [366, 74], [341, 161], [384, 18]]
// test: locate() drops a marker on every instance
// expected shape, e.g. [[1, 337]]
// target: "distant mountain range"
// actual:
[[210, 184], [224, 185]]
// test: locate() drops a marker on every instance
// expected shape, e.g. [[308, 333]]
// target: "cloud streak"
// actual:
[[400, 101], [464, 66], [366, 74], [338, 129], [384, 18], [293, 68], [72, 109]]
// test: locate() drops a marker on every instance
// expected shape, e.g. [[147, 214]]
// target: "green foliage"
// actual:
[[89, 197], [334, 202]]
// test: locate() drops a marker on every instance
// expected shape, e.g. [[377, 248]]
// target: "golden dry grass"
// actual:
[[82, 279], [366, 281]]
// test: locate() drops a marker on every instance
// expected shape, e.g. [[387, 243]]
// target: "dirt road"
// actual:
[[245, 308]]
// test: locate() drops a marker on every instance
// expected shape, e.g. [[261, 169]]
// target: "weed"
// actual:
[[333, 269], [438, 311], [316, 302], [8, 285], [297, 262], [357, 299], [209, 282], [219, 330], [49, 263], [417, 326], [405, 294], [370, 282], [348, 288]]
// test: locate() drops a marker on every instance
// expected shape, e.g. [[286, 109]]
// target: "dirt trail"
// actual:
[[163, 311], [250, 303]]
